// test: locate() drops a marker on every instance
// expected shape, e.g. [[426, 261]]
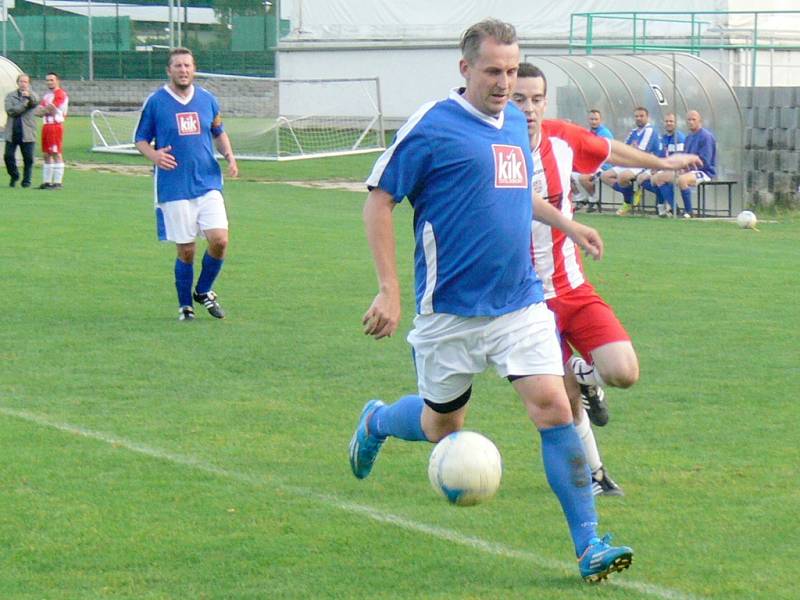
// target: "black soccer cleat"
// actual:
[[209, 300], [593, 399], [185, 313], [603, 485]]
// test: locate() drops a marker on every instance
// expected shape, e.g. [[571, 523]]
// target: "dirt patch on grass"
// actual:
[[329, 184], [147, 170], [140, 170]]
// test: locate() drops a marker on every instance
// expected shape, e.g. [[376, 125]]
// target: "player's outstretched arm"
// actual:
[[586, 237], [680, 162], [223, 144], [628, 156], [383, 316]]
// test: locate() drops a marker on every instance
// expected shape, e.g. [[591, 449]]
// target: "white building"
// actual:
[[412, 46]]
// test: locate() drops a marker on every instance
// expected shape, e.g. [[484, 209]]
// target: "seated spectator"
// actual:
[[585, 184], [701, 142], [643, 137], [672, 142]]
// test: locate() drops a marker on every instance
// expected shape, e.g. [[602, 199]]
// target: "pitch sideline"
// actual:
[[375, 514]]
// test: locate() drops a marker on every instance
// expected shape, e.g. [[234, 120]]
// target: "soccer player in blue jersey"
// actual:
[[183, 120], [643, 137], [702, 142], [672, 142], [464, 164]]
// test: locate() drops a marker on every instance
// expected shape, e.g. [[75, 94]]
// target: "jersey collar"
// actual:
[[180, 99], [496, 122]]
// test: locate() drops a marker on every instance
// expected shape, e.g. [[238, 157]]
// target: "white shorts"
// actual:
[[449, 350], [620, 170], [701, 176], [181, 221]]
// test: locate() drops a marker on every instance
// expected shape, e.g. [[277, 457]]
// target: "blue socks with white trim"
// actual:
[[570, 479]]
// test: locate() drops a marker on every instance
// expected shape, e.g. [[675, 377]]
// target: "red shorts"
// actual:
[[585, 321], [52, 138]]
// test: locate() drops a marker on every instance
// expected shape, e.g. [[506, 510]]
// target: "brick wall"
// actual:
[[771, 145]]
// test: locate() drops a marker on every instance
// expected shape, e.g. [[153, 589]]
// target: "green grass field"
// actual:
[[144, 458]]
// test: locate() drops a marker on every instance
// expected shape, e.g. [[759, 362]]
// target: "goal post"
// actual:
[[274, 119]]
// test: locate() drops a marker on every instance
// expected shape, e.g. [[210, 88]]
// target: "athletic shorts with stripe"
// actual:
[[585, 321]]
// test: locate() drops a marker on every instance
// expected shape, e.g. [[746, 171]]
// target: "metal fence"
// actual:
[[40, 38]]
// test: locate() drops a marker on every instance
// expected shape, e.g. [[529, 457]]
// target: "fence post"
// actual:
[[754, 51]]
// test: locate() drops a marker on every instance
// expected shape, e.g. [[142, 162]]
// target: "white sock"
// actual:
[[58, 172], [584, 429], [585, 373], [47, 173]]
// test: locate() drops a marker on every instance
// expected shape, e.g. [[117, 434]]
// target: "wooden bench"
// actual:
[[701, 198]]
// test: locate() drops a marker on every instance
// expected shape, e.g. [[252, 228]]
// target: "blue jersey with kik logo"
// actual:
[[186, 124], [467, 176], [672, 143]]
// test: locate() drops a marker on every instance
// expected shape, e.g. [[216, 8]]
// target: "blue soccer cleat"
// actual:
[[600, 559], [364, 446]]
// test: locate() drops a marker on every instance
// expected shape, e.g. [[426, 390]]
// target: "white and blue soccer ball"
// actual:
[[465, 468], [747, 219]]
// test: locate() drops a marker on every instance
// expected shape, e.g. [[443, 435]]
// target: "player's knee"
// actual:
[[441, 419], [624, 375], [218, 246], [186, 254]]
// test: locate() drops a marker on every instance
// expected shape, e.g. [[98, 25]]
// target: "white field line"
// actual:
[[375, 514]]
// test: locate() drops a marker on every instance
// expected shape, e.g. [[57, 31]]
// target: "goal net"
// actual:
[[273, 119]]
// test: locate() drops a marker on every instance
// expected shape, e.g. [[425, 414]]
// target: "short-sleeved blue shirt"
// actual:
[[187, 125], [703, 143], [467, 176]]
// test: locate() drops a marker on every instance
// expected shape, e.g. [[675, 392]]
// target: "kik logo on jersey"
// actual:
[[188, 123], [510, 170]]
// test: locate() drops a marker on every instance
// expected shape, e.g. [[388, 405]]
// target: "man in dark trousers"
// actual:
[[20, 130]]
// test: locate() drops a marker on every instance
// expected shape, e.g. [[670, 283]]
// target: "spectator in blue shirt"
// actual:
[[672, 142], [585, 183], [643, 137], [702, 142]]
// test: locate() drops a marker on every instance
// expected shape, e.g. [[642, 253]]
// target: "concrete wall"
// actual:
[[247, 98], [771, 145]]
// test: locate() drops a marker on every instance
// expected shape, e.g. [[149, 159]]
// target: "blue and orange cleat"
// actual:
[[364, 446], [601, 559]]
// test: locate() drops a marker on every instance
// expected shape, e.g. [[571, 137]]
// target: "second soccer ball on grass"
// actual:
[[747, 219], [465, 467]]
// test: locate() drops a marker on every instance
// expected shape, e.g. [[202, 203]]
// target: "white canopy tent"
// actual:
[[8, 83]]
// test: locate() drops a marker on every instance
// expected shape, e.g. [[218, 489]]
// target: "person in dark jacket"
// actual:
[[20, 130]]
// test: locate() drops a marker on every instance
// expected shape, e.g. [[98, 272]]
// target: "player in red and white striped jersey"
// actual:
[[586, 322], [53, 110]]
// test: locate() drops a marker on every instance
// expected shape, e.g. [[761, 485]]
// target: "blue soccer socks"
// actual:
[[403, 419], [686, 195], [211, 268], [184, 276], [668, 195], [570, 479]]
